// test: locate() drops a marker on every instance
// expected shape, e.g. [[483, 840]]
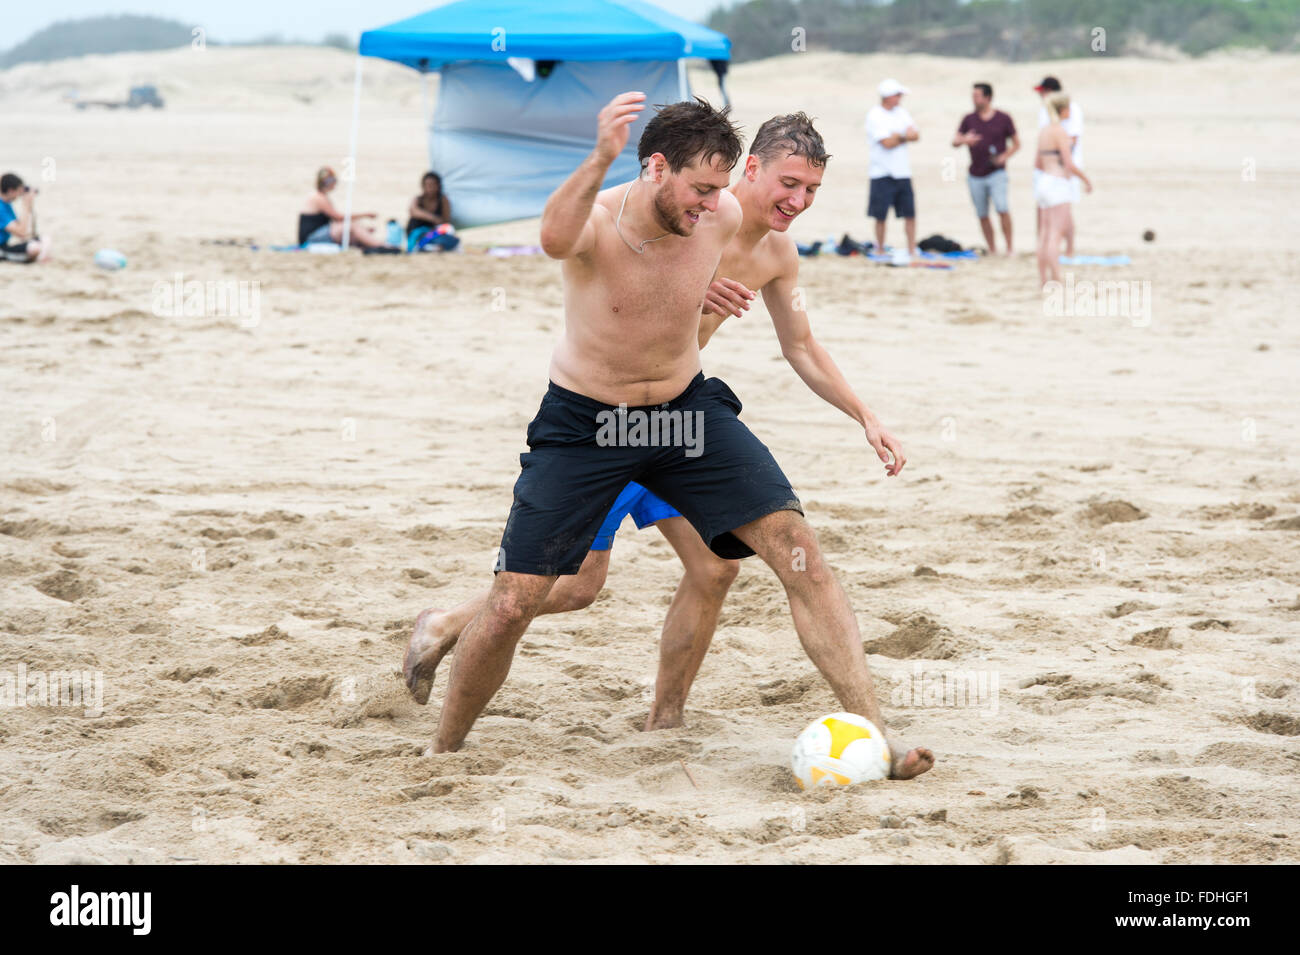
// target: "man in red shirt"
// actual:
[[987, 132]]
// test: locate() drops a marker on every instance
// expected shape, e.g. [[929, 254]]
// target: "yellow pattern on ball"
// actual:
[[842, 734]]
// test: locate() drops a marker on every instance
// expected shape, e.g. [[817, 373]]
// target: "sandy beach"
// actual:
[[234, 518]]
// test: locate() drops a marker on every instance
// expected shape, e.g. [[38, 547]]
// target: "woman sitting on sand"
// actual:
[[1052, 189], [430, 208], [319, 221]]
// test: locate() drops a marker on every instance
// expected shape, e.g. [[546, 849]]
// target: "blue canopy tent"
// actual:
[[521, 83]]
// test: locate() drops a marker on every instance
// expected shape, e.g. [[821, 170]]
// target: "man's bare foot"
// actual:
[[430, 642], [912, 763], [662, 718]]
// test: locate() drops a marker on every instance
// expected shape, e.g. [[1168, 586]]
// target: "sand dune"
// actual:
[[236, 523]]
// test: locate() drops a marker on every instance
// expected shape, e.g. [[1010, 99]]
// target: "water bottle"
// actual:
[[396, 237], [110, 259]]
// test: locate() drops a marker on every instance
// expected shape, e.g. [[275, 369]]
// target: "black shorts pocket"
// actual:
[[721, 391]]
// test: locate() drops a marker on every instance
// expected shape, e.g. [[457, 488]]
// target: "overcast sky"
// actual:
[[227, 20]]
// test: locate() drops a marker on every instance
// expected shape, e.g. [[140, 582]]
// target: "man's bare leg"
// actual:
[[485, 652], [1006, 230], [986, 226], [436, 631], [909, 227], [825, 623], [880, 237], [691, 621]]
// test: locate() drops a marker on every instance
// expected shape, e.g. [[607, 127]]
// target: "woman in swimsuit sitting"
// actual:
[[1052, 189], [319, 221], [430, 208]]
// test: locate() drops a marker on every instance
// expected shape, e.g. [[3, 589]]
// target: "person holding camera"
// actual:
[[18, 239]]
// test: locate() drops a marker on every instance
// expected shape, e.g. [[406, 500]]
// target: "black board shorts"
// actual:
[[887, 191], [693, 451]]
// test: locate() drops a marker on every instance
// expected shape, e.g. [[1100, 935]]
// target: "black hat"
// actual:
[[1050, 84]]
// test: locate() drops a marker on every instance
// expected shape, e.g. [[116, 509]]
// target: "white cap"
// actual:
[[890, 87]]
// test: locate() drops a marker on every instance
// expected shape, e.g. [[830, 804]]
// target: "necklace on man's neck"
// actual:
[[618, 224]]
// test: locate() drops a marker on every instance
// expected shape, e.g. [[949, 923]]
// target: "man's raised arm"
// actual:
[[566, 220]]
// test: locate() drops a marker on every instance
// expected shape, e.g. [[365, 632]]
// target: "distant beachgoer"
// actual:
[[1074, 126], [319, 221], [1052, 190], [430, 208], [987, 132], [18, 239], [889, 129]]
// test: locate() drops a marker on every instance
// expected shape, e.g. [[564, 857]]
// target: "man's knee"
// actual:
[[577, 592], [786, 541], [713, 577], [512, 605]]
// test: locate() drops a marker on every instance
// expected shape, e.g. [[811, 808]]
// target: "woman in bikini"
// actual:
[[1052, 191], [319, 221]]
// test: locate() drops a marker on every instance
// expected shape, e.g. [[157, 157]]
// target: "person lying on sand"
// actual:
[[319, 221], [607, 352]]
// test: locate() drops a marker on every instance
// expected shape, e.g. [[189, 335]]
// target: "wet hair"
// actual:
[[985, 88], [323, 173], [789, 135], [689, 131], [10, 181], [1057, 102]]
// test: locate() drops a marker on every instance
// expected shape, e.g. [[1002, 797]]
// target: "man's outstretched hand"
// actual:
[[727, 297], [886, 446]]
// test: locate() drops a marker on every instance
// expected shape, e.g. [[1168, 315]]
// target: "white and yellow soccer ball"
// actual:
[[839, 750]]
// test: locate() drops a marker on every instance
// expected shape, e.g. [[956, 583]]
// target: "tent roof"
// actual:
[[553, 30]]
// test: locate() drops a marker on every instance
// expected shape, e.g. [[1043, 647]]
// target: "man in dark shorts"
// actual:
[[987, 131], [890, 128], [627, 402]]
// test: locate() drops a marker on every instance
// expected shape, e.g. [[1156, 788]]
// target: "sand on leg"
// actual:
[[825, 622], [485, 651], [436, 631]]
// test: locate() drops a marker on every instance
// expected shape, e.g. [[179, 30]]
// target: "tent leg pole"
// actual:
[[424, 99], [681, 80], [352, 156]]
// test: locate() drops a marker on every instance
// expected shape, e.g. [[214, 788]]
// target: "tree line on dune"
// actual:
[[124, 34], [1012, 30]]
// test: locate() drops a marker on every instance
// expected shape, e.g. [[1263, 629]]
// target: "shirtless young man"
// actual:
[[631, 338]]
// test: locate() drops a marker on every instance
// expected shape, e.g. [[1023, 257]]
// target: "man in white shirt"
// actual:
[[889, 129], [1074, 126]]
